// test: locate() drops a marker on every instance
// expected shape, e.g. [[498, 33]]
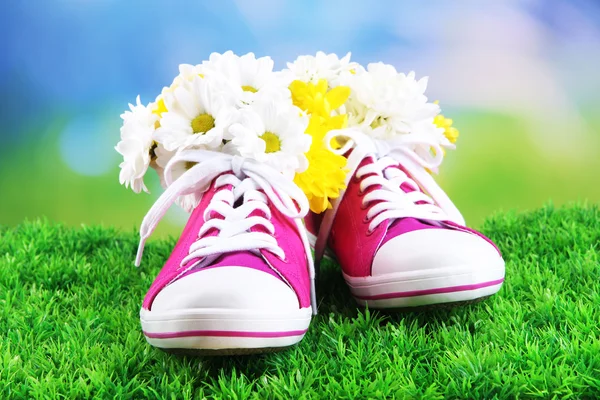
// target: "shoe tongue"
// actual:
[[405, 225], [406, 187], [239, 259]]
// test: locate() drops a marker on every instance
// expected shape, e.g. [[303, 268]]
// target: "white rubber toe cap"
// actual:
[[232, 288], [430, 249]]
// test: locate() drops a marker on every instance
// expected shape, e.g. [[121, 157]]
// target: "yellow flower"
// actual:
[[450, 132], [160, 107], [323, 179], [315, 99], [326, 173]]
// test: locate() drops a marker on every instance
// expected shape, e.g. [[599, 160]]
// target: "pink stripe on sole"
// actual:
[[425, 292], [171, 335]]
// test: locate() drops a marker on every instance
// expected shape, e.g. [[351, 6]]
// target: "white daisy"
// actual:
[[322, 66], [198, 115], [386, 103], [136, 142], [187, 72], [273, 133], [247, 74]]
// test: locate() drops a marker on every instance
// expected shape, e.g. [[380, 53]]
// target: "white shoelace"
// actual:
[[252, 182], [391, 201]]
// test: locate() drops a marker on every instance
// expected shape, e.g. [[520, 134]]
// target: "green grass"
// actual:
[[69, 301]]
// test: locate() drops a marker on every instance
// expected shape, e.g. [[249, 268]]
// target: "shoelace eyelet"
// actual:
[[364, 205], [366, 219], [370, 232]]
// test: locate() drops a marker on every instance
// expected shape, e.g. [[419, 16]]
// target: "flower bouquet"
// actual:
[[302, 121]]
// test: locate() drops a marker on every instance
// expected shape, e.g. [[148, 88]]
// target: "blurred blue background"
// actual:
[[520, 78]]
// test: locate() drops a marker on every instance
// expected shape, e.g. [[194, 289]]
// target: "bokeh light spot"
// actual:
[[86, 146]]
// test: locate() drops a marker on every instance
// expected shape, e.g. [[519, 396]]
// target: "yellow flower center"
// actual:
[[250, 89], [203, 123], [377, 122], [272, 141]]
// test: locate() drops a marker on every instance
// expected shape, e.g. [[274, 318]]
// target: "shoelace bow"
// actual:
[[254, 183], [390, 201]]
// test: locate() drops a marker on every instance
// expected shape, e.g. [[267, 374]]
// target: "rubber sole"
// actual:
[[411, 289], [437, 306], [217, 331], [226, 352]]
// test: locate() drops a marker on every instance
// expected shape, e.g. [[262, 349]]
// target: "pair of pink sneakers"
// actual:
[[241, 277]]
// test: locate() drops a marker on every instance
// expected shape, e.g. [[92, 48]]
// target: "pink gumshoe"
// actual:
[[240, 278], [398, 238]]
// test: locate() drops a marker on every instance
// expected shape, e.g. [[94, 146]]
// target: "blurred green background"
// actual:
[[519, 78]]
